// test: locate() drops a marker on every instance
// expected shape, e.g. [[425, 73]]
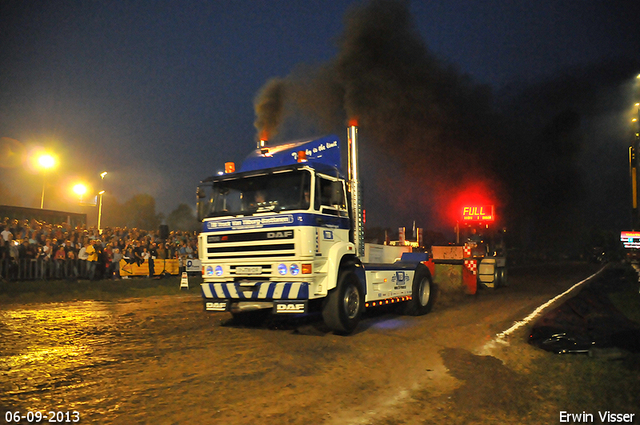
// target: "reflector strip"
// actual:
[[387, 301], [258, 290]]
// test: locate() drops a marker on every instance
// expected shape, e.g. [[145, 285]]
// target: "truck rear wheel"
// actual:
[[343, 307], [422, 294], [502, 277]]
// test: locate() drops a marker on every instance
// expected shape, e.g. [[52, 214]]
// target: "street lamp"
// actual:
[[104, 173], [100, 211], [45, 161], [80, 189]]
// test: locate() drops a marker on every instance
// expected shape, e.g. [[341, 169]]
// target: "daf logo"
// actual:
[[290, 308], [216, 306], [280, 235]]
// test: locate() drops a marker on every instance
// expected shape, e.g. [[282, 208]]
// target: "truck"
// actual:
[[284, 235]]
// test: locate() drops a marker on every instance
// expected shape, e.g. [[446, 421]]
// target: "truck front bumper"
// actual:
[[282, 297], [255, 291]]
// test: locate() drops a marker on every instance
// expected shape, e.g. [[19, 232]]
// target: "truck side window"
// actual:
[[331, 194]]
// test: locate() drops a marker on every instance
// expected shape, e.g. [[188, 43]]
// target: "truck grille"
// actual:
[[261, 270], [250, 245]]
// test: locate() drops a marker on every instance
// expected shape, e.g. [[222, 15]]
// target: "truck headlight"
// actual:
[[294, 269], [219, 271], [208, 271], [282, 269]]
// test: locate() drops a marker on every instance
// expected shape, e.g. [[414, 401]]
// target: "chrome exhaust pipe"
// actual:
[[354, 184]]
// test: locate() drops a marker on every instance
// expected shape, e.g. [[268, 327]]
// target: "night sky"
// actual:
[[161, 94]]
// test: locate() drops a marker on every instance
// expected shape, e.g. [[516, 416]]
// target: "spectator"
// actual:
[[115, 264], [42, 241], [6, 233], [161, 252], [82, 261], [92, 259], [72, 264], [60, 257]]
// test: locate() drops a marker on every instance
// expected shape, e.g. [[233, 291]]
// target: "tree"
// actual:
[[182, 218], [140, 212]]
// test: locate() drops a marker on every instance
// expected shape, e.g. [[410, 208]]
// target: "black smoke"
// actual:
[[423, 117], [430, 133]]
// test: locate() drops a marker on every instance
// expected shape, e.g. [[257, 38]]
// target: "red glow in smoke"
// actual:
[[264, 134]]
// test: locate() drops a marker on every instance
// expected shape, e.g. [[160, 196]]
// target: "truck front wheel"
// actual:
[[343, 306]]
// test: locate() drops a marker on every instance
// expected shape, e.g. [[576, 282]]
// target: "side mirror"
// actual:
[[337, 197], [201, 203]]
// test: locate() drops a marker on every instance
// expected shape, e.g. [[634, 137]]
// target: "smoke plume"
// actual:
[[423, 117], [430, 136]]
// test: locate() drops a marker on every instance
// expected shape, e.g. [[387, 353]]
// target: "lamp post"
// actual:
[[45, 161], [104, 173], [100, 211], [634, 150]]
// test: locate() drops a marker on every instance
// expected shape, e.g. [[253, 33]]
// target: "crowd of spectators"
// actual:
[[32, 249]]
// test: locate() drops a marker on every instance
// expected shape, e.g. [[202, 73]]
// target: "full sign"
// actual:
[[478, 213]]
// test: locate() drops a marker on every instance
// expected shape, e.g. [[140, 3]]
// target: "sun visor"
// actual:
[[325, 151]]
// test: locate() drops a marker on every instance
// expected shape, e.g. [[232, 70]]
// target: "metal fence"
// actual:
[[39, 269]]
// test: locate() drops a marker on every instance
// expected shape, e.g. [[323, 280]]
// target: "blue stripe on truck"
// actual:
[[276, 290]]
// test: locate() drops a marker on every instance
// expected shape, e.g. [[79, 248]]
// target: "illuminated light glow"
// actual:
[[387, 301], [302, 156], [294, 269], [478, 213], [229, 167], [282, 269], [46, 161], [264, 137], [79, 189], [307, 269]]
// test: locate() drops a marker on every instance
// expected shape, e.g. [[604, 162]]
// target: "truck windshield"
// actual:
[[249, 195]]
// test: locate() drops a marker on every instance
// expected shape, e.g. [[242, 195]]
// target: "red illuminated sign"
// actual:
[[478, 213]]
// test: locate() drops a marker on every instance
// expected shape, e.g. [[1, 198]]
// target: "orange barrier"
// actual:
[[171, 266]]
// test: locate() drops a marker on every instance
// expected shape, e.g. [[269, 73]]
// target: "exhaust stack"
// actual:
[[354, 184], [263, 141]]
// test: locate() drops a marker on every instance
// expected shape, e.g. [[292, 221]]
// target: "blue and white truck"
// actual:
[[284, 235]]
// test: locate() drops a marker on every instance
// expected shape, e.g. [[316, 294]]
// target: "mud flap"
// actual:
[[216, 305], [290, 307]]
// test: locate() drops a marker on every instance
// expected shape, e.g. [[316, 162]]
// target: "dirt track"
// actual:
[[163, 360]]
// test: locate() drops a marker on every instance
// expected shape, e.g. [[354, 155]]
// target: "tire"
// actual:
[[502, 277], [422, 294], [344, 305]]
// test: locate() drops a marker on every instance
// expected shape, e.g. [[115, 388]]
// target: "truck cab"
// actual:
[[278, 237]]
